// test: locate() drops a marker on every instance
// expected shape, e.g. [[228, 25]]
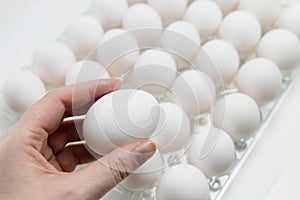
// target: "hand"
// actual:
[[37, 163]]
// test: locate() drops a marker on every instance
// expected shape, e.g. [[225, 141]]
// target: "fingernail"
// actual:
[[118, 83], [144, 151]]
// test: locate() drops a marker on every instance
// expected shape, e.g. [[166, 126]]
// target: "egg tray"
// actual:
[[218, 185]]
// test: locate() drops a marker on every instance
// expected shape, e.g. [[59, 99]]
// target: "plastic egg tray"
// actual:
[[218, 185]]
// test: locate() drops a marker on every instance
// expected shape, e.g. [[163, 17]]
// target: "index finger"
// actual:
[[48, 113]]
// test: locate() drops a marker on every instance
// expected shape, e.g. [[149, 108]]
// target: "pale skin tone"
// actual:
[[35, 162]]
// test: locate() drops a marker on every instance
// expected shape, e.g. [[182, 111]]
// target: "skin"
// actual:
[[37, 163]]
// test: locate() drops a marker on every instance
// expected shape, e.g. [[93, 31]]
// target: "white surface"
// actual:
[[10, 10], [276, 156], [45, 20]]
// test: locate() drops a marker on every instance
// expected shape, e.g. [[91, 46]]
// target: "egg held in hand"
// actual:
[[120, 118]]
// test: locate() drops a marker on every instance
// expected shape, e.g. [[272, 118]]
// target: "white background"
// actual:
[[272, 171]]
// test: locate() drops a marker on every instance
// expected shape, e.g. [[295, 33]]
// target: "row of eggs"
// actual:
[[52, 61], [159, 67]]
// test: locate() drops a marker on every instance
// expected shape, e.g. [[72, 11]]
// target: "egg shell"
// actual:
[[183, 182], [22, 90], [261, 79], [227, 5], [282, 47], [289, 18], [154, 71], [144, 23], [239, 25], [146, 176], [173, 129], [109, 13], [212, 151], [52, 61], [219, 59], [195, 92], [118, 52], [267, 11], [182, 39], [206, 16], [237, 114], [86, 70], [163, 8], [83, 36], [120, 118], [131, 2]]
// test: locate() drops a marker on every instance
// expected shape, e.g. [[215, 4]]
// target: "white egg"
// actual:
[[154, 71], [289, 18], [237, 114], [267, 11], [52, 61], [213, 152], [282, 47], [260, 79], [144, 23], [131, 2], [195, 92], [206, 16], [118, 52], [22, 90], [146, 176], [227, 5], [173, 128], [219, 59], [182, 39], [242, 29], [120, 118], [83, 36], [183, 182], [109, 13], [86, 70], [169, 10]]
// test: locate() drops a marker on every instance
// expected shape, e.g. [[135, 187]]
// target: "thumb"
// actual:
[[103, 175]]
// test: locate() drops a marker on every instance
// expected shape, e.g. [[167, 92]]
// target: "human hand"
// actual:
[[37, 163]]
